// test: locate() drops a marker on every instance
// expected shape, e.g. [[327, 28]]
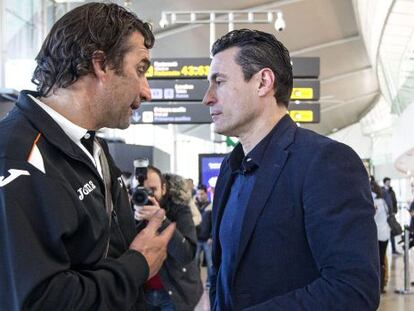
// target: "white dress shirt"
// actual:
[[74, 132]]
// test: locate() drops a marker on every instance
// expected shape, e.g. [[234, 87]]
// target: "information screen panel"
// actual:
[[209, 169], [305, 89], [198, 68], [173, 113], [179, 68], [305, 112], [197, 113], [178, 90], [194, 90], [305, 67]]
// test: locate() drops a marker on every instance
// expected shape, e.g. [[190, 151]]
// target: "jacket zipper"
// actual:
[[115, 218]]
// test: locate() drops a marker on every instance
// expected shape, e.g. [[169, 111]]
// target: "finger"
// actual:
[[150, 208], [153, 200], [156, 220], [167, 233]]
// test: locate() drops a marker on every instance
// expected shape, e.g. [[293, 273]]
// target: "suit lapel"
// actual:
[[268, 173], [222, 192]]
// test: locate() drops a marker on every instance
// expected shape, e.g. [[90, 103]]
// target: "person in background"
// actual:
[[67, 233], [383, 229], [390, 198], [204, 230], [189, 186], [177, 286], [293, 222]]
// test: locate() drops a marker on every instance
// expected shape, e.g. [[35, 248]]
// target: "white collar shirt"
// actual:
[[74, 132]]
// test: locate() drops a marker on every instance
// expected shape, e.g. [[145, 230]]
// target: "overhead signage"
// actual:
[[305, 112], [305, 67], [305, 90], [179, 113], [179, 68], [197, 113], [194, 90], [178, 90], [198, 68]]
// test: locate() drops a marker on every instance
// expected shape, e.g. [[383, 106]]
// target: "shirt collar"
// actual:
[[239, 162], [75, 132]]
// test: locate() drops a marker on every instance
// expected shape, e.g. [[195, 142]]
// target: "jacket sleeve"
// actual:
[[183, 244], [340, 228], [213, 286], [39, 237]]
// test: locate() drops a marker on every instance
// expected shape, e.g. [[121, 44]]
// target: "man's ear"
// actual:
[[163, 189], [266, 81], [99, 64]]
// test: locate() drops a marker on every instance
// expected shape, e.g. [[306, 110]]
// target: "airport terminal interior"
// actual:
[[353, 81]]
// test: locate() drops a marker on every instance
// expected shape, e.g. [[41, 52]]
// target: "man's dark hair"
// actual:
[[386, 179], [158, 172], [260, 50], [202, 187], [67, 51], [376, 188]]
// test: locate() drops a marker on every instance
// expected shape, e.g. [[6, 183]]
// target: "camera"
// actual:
[[140, 194]]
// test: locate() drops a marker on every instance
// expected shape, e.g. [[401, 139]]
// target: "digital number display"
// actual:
[[181, 68]]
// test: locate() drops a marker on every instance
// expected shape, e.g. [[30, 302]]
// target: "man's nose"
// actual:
[[145, 91], [209, 97]]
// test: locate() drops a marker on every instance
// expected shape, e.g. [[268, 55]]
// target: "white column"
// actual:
[[231, 21], [3, 50], [212, 29]]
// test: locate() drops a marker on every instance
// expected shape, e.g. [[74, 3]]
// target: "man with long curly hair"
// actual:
[[67, 234]]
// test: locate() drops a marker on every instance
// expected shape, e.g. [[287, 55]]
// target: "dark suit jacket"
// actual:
[[308, 239]]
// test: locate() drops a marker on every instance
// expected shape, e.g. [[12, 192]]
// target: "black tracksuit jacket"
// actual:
[[54, 227]]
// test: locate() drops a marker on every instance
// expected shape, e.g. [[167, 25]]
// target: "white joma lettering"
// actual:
[[13, 175], [86, 189]]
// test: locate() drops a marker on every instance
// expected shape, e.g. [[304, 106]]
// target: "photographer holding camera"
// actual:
[[177, 286]]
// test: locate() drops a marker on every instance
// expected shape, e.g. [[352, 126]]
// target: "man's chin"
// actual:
[[124, 126], [221, 130], [119, 126]]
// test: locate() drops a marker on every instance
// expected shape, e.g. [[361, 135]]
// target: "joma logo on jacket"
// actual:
[[13, 175], [86, 189]]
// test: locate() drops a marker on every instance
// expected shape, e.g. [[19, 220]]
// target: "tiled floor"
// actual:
[[397, 302], [389, 301], [204, 304]]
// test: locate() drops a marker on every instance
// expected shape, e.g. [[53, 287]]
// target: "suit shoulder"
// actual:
[[17, 136], [317, 141]]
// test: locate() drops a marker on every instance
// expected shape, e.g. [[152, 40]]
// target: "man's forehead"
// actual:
[[223, 61], [137, 43]]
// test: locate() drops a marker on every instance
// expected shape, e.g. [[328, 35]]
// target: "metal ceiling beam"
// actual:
[[345, 75], [163, 33], [340, 103], [325, 45]]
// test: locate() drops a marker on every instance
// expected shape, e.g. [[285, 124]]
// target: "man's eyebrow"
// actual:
[[216, 75]]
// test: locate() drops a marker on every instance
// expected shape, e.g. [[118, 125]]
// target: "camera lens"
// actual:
[[140, 196]]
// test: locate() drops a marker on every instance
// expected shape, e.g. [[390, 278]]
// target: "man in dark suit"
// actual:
[[293, 217]]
